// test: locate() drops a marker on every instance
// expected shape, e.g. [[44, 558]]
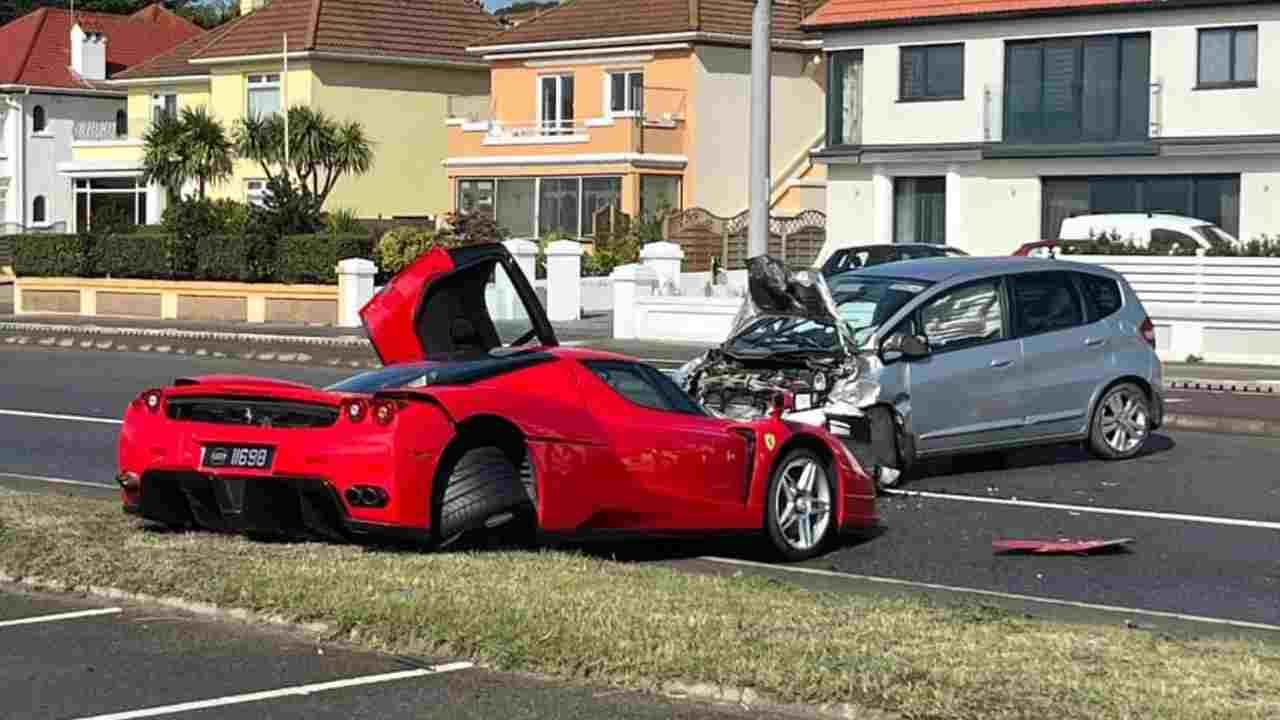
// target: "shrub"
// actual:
[[225, 257], [190, 220], [314, 258], [45, 255], [399, 246], [137, 255], [343, 222], [475, 228]]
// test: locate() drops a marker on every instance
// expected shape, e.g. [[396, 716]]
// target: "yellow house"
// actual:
[[639, 105], [396, 68]]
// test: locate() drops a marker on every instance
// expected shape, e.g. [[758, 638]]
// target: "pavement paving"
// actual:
[[74, 661]]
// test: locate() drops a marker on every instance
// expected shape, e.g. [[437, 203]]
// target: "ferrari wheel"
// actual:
[[483, 489], [800, 509]]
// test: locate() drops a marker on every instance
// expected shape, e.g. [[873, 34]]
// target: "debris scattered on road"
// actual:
[[1044, 546]]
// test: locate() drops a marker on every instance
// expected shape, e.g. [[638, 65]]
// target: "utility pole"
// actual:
[[758, 181]]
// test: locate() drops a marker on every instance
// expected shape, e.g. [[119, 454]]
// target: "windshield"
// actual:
[[864, 303], [396, 376], [1213, 233], [784, 334]]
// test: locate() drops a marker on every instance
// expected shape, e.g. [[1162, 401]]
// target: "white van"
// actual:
[[1142, 228]]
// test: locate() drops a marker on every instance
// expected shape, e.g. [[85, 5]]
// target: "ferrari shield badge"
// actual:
[[770, 440]]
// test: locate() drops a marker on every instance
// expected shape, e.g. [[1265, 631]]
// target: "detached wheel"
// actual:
[[800, 509], [1121, 423], [482, 487]]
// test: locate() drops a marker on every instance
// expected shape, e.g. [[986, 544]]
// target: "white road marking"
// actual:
[[297, 690], [1205, 519], [997, 594], [55, 416], [57, 481], [60, 616], [1174, 401]]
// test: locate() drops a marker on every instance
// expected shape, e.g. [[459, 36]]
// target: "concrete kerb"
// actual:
[[743, 697]]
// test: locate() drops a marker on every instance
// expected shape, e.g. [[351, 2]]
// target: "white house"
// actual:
[[952, 123], [52, 68]]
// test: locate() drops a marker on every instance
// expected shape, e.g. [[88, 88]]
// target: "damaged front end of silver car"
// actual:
[[832, 384]]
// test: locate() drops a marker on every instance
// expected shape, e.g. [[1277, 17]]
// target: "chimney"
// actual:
[[88, 53], [248, 6]]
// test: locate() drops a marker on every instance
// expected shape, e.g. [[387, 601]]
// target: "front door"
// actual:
[[966, 393], [1064, 357]]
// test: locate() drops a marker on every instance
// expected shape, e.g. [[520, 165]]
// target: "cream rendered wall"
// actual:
[[403, 110], [721, 98], [850, 207], [1182, 110]]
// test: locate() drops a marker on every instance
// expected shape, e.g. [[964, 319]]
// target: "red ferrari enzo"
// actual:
[[477, 417]]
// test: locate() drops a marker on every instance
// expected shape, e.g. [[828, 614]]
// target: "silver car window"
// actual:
[[966, 316]]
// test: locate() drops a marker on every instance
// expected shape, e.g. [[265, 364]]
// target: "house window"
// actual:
[[476, 196], [38, 122], [1212, 198], [163, 104], [599, 193], [844, 98], [516, 206], [38, 210], [558, 206], [1228, 57], [659, 193], [931, 72], [122, 123], [255, 192], [264, 95], [626, 92], [555, 104], [113, 199], [920, 210], [1069, 90]]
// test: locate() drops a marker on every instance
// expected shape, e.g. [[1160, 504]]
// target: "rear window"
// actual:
[[1045, 302], [1102, 294]]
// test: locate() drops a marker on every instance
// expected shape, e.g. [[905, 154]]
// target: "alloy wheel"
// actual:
[[1124, 421], [802, 506]]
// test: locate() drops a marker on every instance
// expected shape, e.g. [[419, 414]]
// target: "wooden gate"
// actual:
[[794, 239]]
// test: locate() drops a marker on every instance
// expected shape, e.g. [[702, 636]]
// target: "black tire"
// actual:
[[481, 485], [779, 536], [1103, 440]]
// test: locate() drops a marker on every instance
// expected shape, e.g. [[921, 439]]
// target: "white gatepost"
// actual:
[[564, 280], [665, 259], [506, 303], [629, 283], [355, 288]]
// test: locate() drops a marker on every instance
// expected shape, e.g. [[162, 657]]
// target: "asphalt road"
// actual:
[[103, 658], [1203, 509]]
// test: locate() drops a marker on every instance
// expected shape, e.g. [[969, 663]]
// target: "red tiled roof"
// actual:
[[37, 46], [844, 13], [425, 29], [176, 62], [608, 19]]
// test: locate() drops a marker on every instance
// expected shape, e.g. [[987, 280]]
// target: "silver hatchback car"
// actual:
[[942, 356]]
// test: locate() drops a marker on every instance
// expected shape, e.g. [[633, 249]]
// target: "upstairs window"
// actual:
[[844, 98], [1228, 57], [163, 104], [38, 212], [932, 72], [122, 123], [264, 95], [555, 104], [38, 122], [626, 92]]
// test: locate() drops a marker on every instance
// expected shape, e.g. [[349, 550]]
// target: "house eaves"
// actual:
[[519, 49], [346, 57]]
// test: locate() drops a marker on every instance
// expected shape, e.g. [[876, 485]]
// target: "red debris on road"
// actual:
[[1043, 546]]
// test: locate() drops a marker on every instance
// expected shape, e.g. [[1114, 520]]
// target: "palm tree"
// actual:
[[321, 149], [190, 147]]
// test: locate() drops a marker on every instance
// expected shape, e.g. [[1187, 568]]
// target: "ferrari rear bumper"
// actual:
[[292, 506]]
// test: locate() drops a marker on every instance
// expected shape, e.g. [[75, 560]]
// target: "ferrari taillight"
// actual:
[[151, 399], [355, 410], [384, 412]]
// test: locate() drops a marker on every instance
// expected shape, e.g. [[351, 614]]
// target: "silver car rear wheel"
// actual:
[[1121, 422]]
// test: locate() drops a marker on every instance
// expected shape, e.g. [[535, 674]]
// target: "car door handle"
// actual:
[[1000, 364], [1095, 342]]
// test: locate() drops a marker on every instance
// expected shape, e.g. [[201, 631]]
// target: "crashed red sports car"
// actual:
[[478, 417]]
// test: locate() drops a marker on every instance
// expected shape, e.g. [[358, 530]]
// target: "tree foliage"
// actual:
[[191, 146]]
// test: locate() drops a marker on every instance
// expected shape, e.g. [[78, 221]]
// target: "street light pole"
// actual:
[[758, 197]]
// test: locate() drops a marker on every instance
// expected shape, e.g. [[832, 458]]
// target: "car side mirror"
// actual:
[[902, 345]]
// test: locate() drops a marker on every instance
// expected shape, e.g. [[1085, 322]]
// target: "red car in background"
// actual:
[[476, 418]]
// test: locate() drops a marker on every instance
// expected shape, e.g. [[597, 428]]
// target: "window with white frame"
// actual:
[[164, 104], [264, 95], [626, 92], [255, 192], [532, 206], [555, 104], [111, 198]]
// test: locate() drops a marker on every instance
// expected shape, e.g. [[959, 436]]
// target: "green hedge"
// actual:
[[241, 258]]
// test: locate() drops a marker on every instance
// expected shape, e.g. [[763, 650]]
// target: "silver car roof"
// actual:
[[960, 268]]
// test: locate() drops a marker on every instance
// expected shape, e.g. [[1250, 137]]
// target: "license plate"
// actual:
[[254, 457], [804, 401]]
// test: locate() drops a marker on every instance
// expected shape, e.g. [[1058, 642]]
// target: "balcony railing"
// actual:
[[102, 130], [545, 129]]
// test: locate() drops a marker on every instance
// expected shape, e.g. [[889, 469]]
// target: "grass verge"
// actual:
[[579, 617]]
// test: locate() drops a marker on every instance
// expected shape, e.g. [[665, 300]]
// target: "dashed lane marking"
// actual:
[[56, 416], [59, 617]]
